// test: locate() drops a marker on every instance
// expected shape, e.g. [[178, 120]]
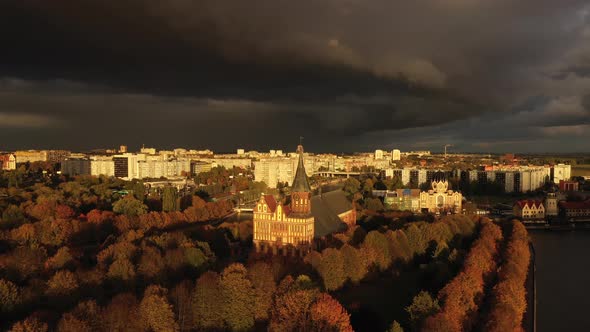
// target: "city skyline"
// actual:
[[349, 76]]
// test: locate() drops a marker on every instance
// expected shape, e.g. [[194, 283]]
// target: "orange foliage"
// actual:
[[508, 299], [462, 295], [328, 314]]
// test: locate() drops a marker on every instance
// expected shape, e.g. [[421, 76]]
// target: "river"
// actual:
[[563, 280]]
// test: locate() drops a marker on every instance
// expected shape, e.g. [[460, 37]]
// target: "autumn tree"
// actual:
[[155, 310], [122, 269], [331, 269], [61, 259], [30, 324], [351, 186], [261, 276], [238, 298], [9, 296], [181, 298], [122, 314], [423, 305], [62, 283], [291, 305], [207, 304], [328, 315], [355, 265], [376, 246], [395, 327]]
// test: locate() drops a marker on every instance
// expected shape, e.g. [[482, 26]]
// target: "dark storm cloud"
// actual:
[[341, 71]]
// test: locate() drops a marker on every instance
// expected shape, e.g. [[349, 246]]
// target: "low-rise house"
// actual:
[[529, 209]]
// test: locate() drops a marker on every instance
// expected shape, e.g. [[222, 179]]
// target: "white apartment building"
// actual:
[[378, 154], [560, 172], [396, 155]]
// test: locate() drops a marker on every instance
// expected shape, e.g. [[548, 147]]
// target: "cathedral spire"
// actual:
[[300, 182]]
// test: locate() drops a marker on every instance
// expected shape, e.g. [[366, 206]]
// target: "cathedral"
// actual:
[[440, 199], [290, 225], [304, 220]]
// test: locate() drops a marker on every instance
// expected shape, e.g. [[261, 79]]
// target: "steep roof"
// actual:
[[325, 208], [530, 203], [271, 202], [300, 182]]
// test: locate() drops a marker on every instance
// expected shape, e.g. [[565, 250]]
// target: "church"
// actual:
[[296, 224], [440, 199]]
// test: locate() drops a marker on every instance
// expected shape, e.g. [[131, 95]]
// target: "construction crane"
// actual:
[[447, 146]]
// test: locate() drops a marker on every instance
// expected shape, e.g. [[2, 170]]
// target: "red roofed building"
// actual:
[[295, 225], [7, 162], [290, 225], [529, 209], [575, 210]]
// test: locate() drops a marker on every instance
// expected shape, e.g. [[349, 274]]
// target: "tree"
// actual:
[[374, 204], [71, 323], [122, 314], [122, 269], [351, 186], [9, 296], [151, 262], [238, 298], [31, 324], [62, 283], [423, 305], [156, 312], [376, 246], [395, 327], [331, 269], [355, 267], [169, 199], [61, 259], [181, 299], [290, 309], [207, 304], [327, 314], [12, 216], [129, 206], [261, 277]]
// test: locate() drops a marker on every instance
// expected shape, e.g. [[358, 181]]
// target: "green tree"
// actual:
[[169, 199], [351, 186], [423, 305], [129, 206], [238, 298]]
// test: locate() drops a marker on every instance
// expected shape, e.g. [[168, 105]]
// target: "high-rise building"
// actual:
[[396, 155], [378, 154], [123, 149], [240, 152], [561, 172]]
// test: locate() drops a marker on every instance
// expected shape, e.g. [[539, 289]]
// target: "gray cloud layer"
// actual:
[[349, 74]]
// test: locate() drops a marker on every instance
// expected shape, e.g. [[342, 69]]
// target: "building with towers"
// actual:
[[278, 226], [295, 225], [440, 199]]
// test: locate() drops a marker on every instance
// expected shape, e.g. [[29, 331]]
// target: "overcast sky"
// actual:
[[348, 75]]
